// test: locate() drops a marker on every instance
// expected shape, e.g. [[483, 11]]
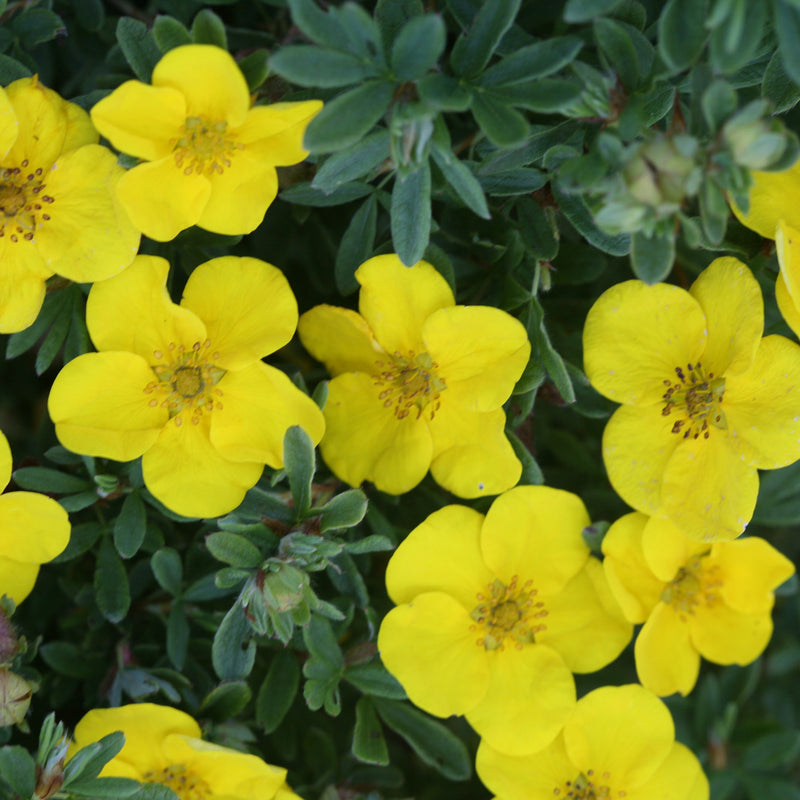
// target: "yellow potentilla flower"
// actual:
[[419, 383], [184, 386], [33, 529], [58, 209], [495, 612], [694, 600], [774, 196], [209, 157], [706, 400], [163, 745], [618, 743]]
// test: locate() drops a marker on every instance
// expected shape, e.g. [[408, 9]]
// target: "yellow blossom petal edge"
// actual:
[[774, 196]]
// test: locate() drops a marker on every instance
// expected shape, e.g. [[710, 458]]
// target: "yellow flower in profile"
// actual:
[[618, 743], [184, 386], [694, 599], [163, 745], [419, 383], [58, 209], [33, 529], [208, 158], [494, 614], [707, 401]]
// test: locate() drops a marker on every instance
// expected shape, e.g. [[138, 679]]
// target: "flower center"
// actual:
[[203, 147], [409, 382], [694, 584], [508, 611], [185, 784], [587, 787], [22, 201], [188, 380], [696, 398]]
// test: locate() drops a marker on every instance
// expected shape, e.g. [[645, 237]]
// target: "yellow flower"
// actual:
[[774, 196], [694, 600], [33, 530], [209, 157], [58, 208], [706, 401], [495, 612], [618, 743], [419, 383], [184, 385], [163, 745]]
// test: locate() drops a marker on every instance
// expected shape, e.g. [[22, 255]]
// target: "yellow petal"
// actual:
[[667, 631], [773, 196], [629, 577], [274, 133], [536, 776], [731, 301], [258, 405], [725, 636], [134, 312], [638, 443], [230, 294], [679, 775], [99, 406], [209, 79], [480, 351], [395, 300], [33, 528], [530, 695], [161, 200], [442, 554], [623, 730], [141, 120], [761, 405], [636, 335], [79, 244], [16, 579], [240, 196], [667, 549], [787, 247], [364, 440], [786, 304], [750, 569], [341, 339], [6, 462], [188, 474], [708, 490], [535, 532], [472, 456], [429, 647], [9, 126], [579, 627], [22, 284]]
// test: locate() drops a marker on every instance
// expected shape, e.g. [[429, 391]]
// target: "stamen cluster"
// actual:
[[508, 611], [184, 783], [203, 147], [22, 202], [699, 397], [410, 381], [695, 584]]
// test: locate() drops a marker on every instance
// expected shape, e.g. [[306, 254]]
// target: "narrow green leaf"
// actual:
[[772, 750], [304, 194], [300, 463], [575, 210], [168, 570], [474, 48], [169, 33], [356, 246], [321, 27], [18, 770], [54, 340], [418, 46], [106, 787], [89, 761], [233, 549], [111, 590], [346, 118], [682, 32], [411, 214], [43, 479], [90, 14], [537, 228], [502, 125], [444, 92], [255, 68], [652, 257], [321, 643], [82, 538], [343, 511], [544, 95], [233, 651], [778, 87], [534, 61], [718, 103], [208, 28], [307, 65], [177, 635], [36, 25], [353, 162], [517, 181], [138, 46], [735, 44], [585, 10], [226, 700], [12, 70], [278, 690], [369, 744], [392, 15], [532, 474], [461, 179], [374, 679], [130, 526], [616, 43], [542, 351]]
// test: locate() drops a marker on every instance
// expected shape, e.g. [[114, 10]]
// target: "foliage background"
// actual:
[[491, 153]]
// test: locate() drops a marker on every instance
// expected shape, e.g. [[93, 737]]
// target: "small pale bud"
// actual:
[[15, 697]]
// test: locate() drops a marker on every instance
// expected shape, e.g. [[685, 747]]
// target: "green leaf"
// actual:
[[411, 214], [429, 739], [303, 194], [734, 44], [418, 46], [534, 61], [111, 591], [585, 10], [54, 340], [772, 751], [277, 692], [233, 652], [346, 118], [255, 68], [12, 70], [544, 95], [168, 570], [169, 33], [444, 92], [461, 179], [138, 46], [90, 14], [81, 538], [37, 25], [652, 257], [177, 635], [226, 700], [374, 679], [343, 511], [517, 181], [106, 787], [300, 463], [353, 162], [89, 761], [130, 526], [17, 769], [307, 65], [778, 87], [763, 786], [627, 51], [369, 744], [323, 670], [502, 125], [392, 15], [538, 228], [233, 549], [474, 48], [356, 246], [575, 210], [51, 481], [208, 28], [682, 32], [542, 351], [718, 103], [532, 474], [369, 544]]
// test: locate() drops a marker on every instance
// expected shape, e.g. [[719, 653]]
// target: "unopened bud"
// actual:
[[50, 777], [15, 697], [8, 639]]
